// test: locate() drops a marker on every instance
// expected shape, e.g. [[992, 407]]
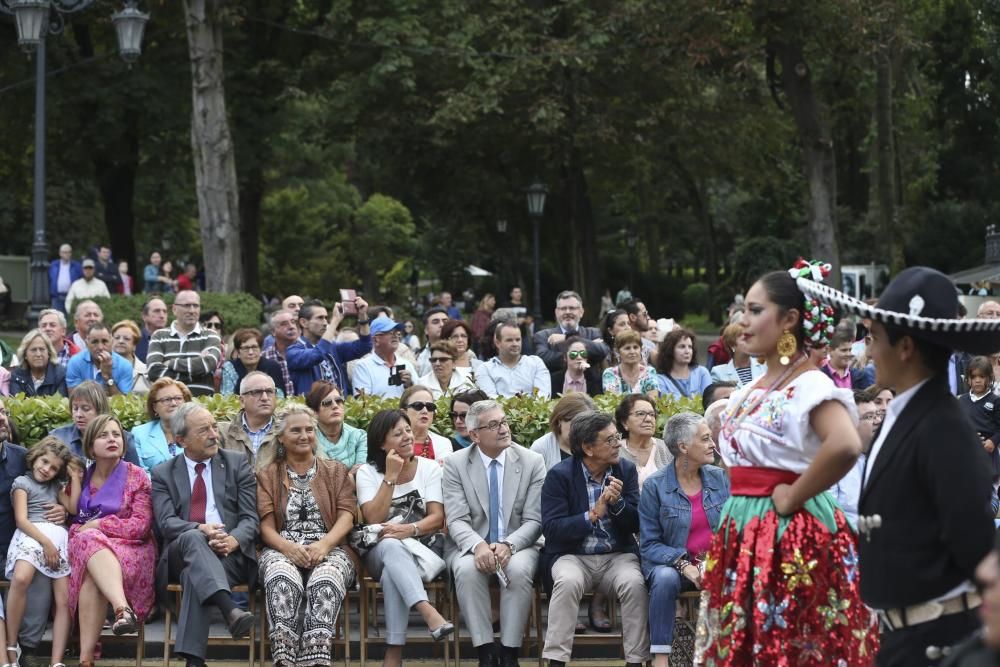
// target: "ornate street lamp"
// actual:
[[35, 20], [536, 209], [31, 17], [130, 24]]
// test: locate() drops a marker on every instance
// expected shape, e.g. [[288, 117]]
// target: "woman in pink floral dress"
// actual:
[[111, 544]]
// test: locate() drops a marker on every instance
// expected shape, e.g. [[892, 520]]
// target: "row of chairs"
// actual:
[[368, 593]]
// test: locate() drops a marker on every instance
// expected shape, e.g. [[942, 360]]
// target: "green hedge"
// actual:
[[238, 309], [528, 415]]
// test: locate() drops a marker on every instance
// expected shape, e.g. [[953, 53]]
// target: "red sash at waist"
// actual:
[[750, 481]]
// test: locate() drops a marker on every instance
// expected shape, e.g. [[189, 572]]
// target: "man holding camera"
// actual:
[[383, 373]]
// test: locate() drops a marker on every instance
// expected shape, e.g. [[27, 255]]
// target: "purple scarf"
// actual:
[[107, 500]]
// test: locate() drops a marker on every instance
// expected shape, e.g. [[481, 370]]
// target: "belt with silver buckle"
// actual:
[[904, 617]]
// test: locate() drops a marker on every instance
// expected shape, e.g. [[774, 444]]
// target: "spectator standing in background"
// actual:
[[87, 287], [187, 280], [154, 318], [151, 274], [107, 271], [63, 272]]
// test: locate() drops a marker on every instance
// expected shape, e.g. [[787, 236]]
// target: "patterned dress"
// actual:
[[614, 383], [781, 590], [129, 535], [303, 606]]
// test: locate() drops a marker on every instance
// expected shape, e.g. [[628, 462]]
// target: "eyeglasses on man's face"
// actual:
[[494, 425], [259, 393], [613, 440], [188, 306], [328, 402]]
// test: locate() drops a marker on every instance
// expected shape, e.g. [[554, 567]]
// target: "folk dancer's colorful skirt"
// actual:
[[782, 590]]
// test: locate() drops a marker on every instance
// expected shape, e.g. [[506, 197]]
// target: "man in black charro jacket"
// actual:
[[924, 518]]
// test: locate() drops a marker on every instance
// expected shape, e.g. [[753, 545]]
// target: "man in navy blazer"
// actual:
[[590, 515], [569, 312], [62, 273]]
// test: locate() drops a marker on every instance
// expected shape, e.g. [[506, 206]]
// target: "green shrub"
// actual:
[[696, 298], [238, 309], [528, 415]]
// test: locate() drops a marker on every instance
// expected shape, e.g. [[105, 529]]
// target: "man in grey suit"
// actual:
[[205, 504], [492, 498]]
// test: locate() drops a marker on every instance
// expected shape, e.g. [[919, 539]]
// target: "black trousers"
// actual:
[[907, 647]]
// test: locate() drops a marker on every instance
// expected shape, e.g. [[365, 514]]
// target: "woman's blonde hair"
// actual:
[[28, 339]]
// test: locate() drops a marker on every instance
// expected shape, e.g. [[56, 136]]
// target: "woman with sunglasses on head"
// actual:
[[418, 404], [335, 438], [578, 375], [460, 405], [444, 378]]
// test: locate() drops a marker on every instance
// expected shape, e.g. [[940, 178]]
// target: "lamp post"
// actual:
[[536, 208], [35, 19]]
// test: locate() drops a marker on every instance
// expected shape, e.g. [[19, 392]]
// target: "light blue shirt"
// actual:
[[694, 385], [81, 367], [371, 376], [151, 444], [529, 374]]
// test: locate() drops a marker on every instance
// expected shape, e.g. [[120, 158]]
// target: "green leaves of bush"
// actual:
[[528, 415]]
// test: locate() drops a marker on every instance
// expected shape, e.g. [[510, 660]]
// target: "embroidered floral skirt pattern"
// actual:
[[784, 590]]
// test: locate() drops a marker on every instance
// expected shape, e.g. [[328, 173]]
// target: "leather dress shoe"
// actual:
[[240, 623], [507, 660]]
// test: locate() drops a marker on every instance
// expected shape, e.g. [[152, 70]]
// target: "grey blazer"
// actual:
[[235, 489], [467, 499]]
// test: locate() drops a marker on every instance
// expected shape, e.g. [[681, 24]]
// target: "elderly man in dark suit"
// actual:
[[569, 312], [492, 498], [924, 514], [205, 504], [590, 515]]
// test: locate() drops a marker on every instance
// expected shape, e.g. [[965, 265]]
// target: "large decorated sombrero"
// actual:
[[921, 301]]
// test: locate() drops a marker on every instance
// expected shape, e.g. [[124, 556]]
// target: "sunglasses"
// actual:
[[441, 360], [417, 406], [213, 325], [577, 354], [325, 403], [459, 415]]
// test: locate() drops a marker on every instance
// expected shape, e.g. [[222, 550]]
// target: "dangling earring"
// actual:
[[281, 451], [787, 345]]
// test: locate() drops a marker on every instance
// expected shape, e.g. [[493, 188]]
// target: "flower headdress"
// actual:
[[817, 318]]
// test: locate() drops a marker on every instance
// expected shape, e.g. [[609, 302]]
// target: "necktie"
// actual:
[[199, 496], [494, 535]]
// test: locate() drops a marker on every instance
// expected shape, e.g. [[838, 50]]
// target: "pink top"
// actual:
[[700, 535], [842, 381]]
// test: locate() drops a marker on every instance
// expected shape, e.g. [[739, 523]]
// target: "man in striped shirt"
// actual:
[[184, 351]]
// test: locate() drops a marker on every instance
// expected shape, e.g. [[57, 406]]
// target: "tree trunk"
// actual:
[[117, 184], [819, 163], [251, 197], [888, 213], [214, 156]]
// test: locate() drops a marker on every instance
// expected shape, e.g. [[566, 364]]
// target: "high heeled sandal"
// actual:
[[16, 648], [125, 621]]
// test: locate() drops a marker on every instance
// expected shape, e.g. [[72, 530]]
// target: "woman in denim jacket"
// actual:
[[678, 511]]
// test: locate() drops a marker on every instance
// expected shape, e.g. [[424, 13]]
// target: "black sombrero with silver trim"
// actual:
[[921, 301]]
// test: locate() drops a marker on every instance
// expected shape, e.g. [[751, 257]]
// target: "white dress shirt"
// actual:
[[211, 511], [891, 415]]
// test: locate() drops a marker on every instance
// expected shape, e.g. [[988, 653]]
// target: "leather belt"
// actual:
[[904, 617]]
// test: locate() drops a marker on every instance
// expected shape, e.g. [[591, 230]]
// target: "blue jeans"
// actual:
[[665, 584]]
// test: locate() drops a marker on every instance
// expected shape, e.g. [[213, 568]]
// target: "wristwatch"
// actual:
[[511, 546], [109, 381]]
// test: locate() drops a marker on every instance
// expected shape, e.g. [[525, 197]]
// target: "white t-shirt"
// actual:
[[425, 487]]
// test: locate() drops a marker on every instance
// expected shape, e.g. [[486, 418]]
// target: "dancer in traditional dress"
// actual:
[[781, 576], [924, 513]]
